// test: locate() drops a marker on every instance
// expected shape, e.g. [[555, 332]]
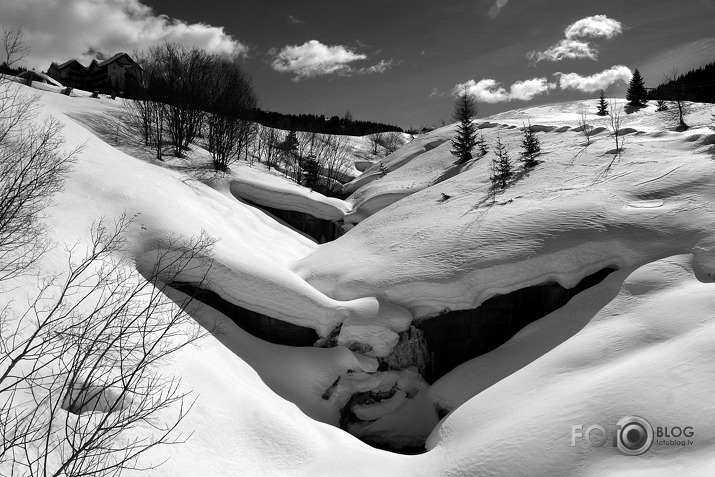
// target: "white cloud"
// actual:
[[61, 30], [489, 91], [380, 67], [596, 26], [564, 49], [313, 58], [526, 90], [496, 9], [573, 47], [596, 81]]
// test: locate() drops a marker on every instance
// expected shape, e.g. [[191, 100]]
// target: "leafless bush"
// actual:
[[586, 129]]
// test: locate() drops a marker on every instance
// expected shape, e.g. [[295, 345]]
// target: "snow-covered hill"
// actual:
[[430, 239]]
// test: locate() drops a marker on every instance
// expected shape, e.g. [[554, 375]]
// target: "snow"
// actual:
[[566, 219], [638, 343], [279, 193]]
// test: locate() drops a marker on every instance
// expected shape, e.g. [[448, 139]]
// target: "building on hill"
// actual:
[[107, 76]]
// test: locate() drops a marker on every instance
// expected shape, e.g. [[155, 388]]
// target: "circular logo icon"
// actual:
[[634, 435]]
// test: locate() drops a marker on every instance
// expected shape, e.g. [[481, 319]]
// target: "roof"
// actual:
[[67, 63], [115, 58], [42, 76], [94, 63]]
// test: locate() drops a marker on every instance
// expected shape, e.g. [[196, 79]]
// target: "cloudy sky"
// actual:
[[396, 61]]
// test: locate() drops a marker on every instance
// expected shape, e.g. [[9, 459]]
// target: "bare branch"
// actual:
[[14, 46]]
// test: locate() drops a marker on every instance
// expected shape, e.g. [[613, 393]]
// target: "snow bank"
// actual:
[[278, 193], [644, 353]]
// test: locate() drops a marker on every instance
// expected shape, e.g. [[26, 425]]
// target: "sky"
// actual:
[[394, 61]]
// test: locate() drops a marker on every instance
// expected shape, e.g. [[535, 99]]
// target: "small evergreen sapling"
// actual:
[[531, 145], [482, 145], [602, 105], [501, 166]]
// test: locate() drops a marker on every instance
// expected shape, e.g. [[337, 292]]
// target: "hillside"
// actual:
[[425, 241]]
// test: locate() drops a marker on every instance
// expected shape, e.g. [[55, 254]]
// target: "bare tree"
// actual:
[[230, 102], [80, 365], [33, 164], [676, 94], [268, 146], [375, 141], [32, 167], [178, 83], [393, 141], [613, 125], [585, 128], [332, 157]]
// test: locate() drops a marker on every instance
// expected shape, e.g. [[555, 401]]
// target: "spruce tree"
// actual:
[[602, 105], [290, 143], [482, 145], [531, 145], [311, 169], [501, 166], [637, 94], [465, 108]]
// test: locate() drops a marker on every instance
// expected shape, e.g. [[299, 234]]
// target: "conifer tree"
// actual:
[[602, 105], [465, 108], [482, 145], [501, 166], [311, 169], [531, 145], [637, 94]]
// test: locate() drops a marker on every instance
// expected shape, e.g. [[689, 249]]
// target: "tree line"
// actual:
[[321, 124], [698, 85]]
